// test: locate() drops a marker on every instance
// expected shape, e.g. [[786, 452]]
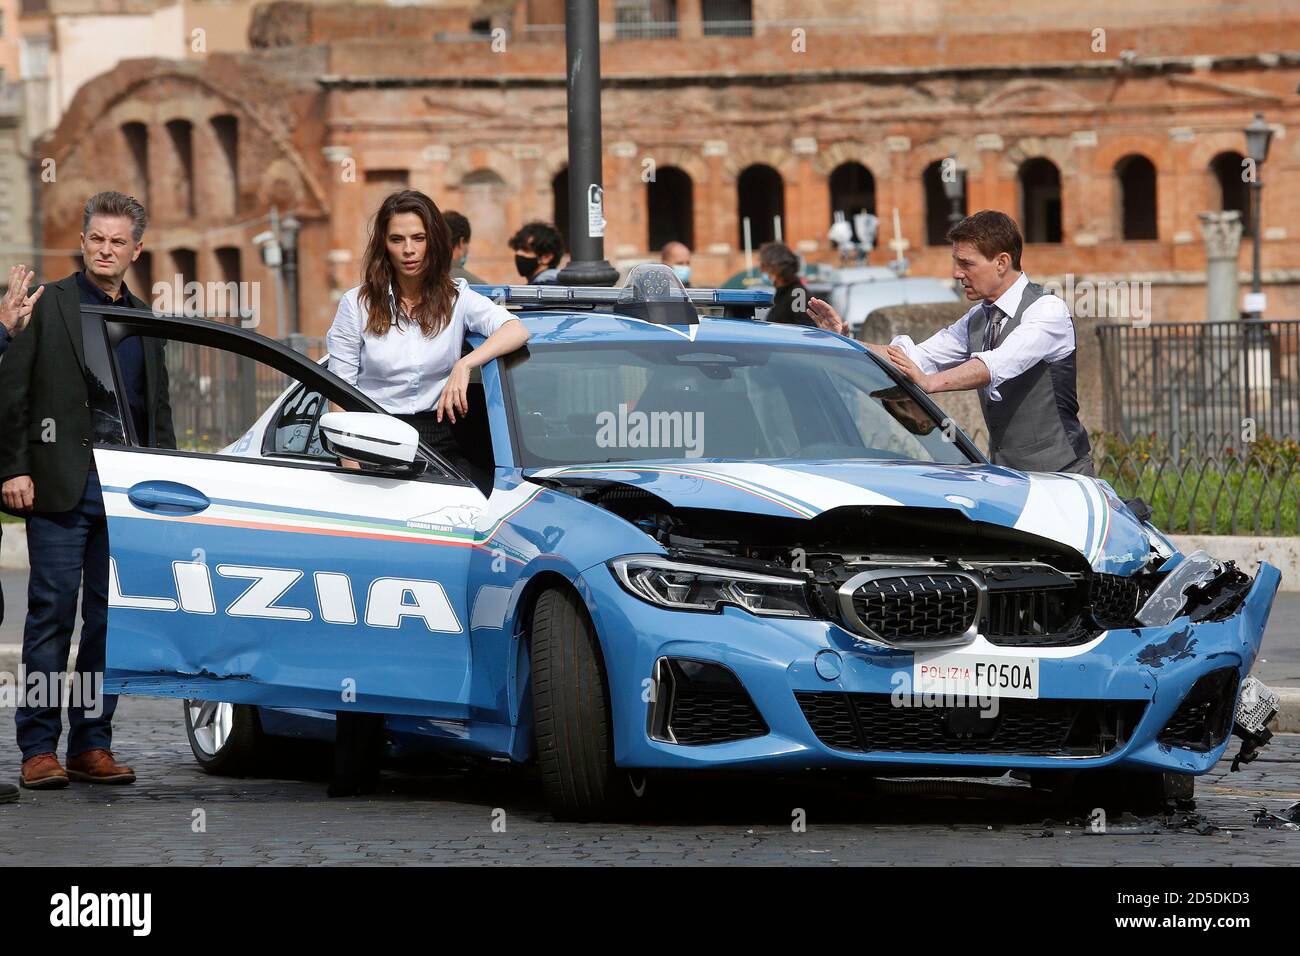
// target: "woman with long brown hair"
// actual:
[[399, 335]]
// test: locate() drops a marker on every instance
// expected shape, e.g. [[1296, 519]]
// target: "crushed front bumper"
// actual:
[[1146, 672]]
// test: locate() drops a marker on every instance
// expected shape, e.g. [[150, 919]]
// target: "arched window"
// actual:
[[937, 207], [228, 263], [185, 266], [560, 193], [1040, 200], [760, 193], [225, 130], [136, 138], [227, 302], [670, 199], [483, 198], [180, 138], [141, 280], [379, 184], [1234, 193], [853, 190], [1136, 176]]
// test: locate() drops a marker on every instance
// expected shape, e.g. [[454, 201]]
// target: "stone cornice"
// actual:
[[1073, 70]]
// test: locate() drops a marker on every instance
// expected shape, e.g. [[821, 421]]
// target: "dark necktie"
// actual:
[[993, 321]]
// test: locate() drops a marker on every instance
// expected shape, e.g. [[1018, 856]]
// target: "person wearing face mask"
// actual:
[[781, 268], [677, 256], [460, 234], [538, 247]]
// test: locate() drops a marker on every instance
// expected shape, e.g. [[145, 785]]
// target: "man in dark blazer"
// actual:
[[15, 312], [48, 472]]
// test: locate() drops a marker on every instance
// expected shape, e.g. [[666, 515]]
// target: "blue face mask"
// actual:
[[463, 259], [683, 273]]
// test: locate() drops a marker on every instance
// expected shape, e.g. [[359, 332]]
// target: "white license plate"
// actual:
[[975, 675]]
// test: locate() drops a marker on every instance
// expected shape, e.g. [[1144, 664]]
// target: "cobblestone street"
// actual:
[[447, 818]]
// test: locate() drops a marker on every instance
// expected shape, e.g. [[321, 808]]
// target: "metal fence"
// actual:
[[1217, 382], [216, 395], [1253, 490]]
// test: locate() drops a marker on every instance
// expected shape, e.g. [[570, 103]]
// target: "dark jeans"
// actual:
[[67, 550]]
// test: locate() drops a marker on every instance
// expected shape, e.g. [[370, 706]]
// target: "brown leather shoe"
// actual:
[[43, 772], [98, 766]]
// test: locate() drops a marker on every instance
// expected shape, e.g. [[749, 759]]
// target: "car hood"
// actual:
[[1082, 513]]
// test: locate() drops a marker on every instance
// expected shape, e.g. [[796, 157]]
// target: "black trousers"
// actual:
[[358, 751], [441, 437]]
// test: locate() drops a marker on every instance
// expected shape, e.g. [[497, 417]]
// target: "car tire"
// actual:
[[572, 722], [226, 739]]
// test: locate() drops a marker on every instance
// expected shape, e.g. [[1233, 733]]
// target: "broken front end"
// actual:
[[920, 637]]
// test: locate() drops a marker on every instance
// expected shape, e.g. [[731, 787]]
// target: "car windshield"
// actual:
[[589, 404]]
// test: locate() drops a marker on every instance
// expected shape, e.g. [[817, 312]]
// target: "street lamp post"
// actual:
[[587, 265], [1258, 136], [289, 229], [954, 187]]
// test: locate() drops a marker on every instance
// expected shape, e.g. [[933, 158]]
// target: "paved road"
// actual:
[[447, 818]]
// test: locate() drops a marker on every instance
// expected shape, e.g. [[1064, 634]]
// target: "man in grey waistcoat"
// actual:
[[1016, 346]]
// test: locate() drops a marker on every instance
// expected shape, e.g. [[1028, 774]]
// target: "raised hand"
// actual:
[[824, 314], [16, 306]]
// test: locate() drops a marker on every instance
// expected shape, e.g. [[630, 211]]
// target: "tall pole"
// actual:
[[587, 265], [289, 228], [274, 257], [1256, 286]]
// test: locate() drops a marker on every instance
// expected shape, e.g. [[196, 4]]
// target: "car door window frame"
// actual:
[[104, 327]]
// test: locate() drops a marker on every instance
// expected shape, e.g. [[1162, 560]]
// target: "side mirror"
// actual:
[[370, 438]]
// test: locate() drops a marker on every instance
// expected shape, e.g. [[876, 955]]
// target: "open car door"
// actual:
[[245, 571]]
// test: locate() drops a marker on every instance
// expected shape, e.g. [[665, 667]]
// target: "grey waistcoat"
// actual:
[[1035, 427]]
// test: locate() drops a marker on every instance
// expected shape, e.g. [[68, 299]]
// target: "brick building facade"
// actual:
[[1105, 132]]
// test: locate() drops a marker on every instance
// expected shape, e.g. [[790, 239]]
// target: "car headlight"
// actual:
[[701, 587]]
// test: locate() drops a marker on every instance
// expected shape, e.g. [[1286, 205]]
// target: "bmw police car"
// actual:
[[689, 541]]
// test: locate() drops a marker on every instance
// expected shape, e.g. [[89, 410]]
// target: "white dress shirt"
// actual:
[[405, 370], [1045, 332]]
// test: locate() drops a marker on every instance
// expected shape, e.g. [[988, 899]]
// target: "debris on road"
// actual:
[[1288, 819]]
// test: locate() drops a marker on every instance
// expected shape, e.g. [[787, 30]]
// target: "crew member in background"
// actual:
[[677, 256], [780, 266], [15, 313], [460, 234], [538, 247], [1017, 346]]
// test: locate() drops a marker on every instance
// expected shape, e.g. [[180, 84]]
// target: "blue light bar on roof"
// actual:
[[733, 296], [601, 295]]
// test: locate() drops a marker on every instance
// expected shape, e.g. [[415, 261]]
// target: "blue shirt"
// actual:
[[130, 356]]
